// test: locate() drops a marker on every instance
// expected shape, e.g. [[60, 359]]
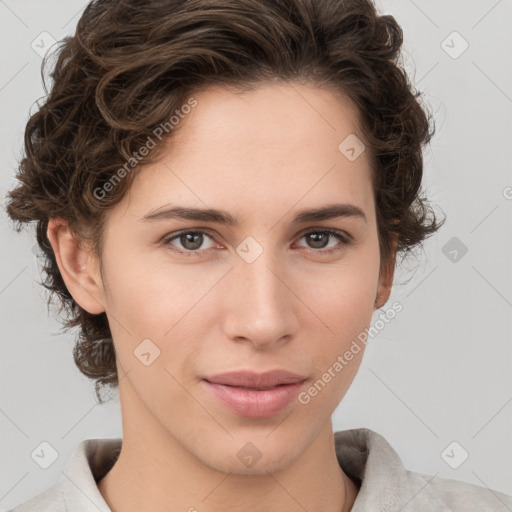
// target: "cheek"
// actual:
[[145, 302], [161, 303], [345, 310], [343, 295], [343, 300], [146, 298]]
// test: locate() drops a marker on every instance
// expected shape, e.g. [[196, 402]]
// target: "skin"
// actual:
[[262, 156]]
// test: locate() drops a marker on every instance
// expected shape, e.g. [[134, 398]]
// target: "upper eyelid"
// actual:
[[176, 234]]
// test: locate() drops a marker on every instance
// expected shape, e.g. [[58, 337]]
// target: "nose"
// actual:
[[260, 306]]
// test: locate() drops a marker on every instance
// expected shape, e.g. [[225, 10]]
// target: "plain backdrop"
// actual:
[[439, 372]]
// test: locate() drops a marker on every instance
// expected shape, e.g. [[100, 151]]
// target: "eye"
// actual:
[[319, 239], [191, 241]]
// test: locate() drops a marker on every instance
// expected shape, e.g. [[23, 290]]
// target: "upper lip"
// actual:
[[252, 379]]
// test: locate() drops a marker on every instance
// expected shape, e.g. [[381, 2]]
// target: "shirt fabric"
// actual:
[[364, 455]]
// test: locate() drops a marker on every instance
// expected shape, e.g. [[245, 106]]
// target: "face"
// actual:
[[191, 298]]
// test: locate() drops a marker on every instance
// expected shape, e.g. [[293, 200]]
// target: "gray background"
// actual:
[[439, 372]]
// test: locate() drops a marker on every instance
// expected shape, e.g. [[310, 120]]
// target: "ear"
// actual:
[[78, 266], [386, 278]]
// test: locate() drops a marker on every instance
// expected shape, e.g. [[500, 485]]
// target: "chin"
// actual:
[[250, 458]]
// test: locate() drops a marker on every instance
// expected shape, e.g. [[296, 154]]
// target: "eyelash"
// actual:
[[343, 237]]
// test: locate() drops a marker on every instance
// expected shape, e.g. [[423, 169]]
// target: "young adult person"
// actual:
[[221, 190]]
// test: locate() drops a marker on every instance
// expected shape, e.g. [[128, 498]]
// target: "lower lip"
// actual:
[[255, 403]]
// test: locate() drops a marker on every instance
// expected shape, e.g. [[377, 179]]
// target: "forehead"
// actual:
[[231, 115], [276, 143]]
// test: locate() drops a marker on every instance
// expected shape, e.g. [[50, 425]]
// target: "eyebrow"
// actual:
[[330, 211]]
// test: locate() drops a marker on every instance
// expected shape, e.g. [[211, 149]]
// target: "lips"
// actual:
[[255, 395], [253, 380]]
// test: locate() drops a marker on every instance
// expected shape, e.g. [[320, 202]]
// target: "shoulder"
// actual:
[[49, 500], [77, 487], [458, 496], [385, 484]]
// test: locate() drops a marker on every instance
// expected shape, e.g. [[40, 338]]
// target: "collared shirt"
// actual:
[[364, 455]]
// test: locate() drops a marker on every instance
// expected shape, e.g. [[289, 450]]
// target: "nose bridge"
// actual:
[[259, 308]]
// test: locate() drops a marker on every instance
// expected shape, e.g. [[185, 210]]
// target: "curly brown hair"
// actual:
[[131, 64]]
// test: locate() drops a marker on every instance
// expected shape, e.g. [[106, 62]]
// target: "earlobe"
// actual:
[[78, 266]]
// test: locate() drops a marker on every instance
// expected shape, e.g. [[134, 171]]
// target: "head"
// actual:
[[260, 109]]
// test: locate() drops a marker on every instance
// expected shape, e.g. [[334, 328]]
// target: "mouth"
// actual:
[[255, 401]]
